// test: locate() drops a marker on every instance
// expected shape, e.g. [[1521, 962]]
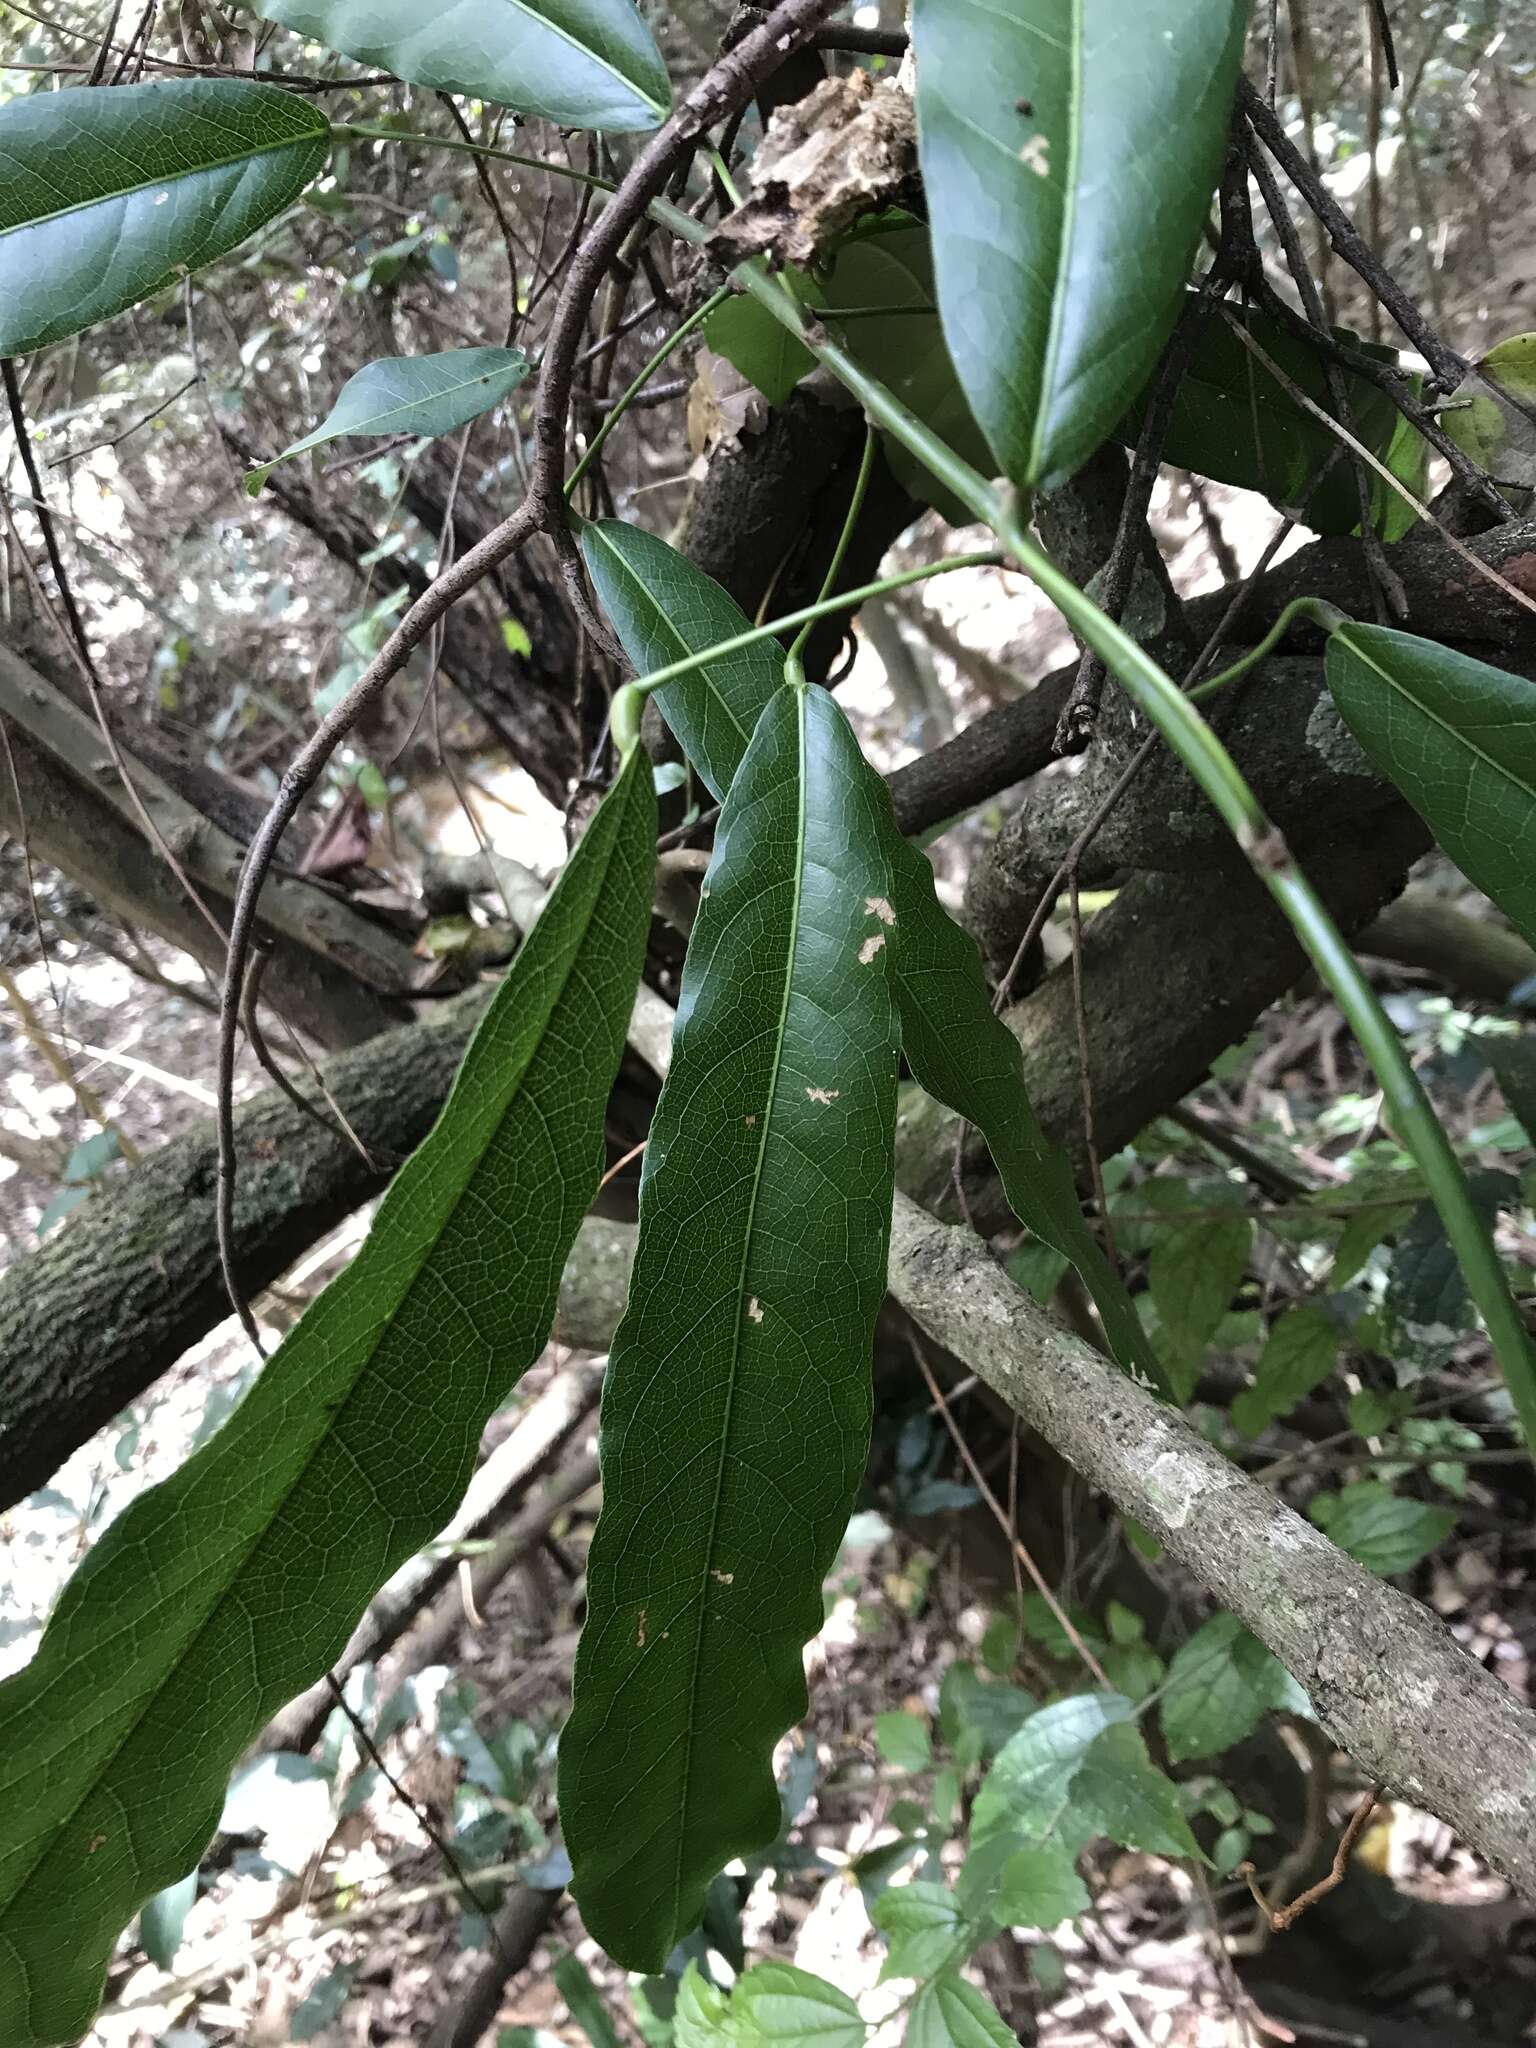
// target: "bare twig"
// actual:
[[1282, 1917]]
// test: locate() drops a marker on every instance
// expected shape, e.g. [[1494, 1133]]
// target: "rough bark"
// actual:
[[67, 820], [1388, 1682]]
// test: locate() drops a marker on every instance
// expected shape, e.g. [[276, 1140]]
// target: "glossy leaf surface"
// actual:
[[965, 1055], [663, 607], [223, 1592], [1458, 737], [106, 197], [737, 1405], [583, 63], [1070, 149], [879, 298], [1235, 422], [424, 395]]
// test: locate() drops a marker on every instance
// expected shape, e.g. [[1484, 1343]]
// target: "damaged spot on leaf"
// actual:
[[870, 948], [755, 1309], [1036, 155], [823, 1094], [877, 906]]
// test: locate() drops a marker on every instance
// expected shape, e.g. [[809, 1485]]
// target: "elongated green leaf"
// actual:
[[105, 197], [424, 395], [663, 608], [1118, 1791], [924, 1926], [1070, 149], [1385, 1532], [1220, 1686], [220, 1594], [1458, 737], [965, 1055], [736, 1409], [1232, 420], [583, 63], [1193, 1274]]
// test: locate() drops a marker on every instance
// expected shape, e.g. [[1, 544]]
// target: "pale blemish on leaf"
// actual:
[[823, 1094], [878, 906], [724, 1578], [640, 1628], [750, 1121], [1036, 155], [755, 1309], [870, 948]]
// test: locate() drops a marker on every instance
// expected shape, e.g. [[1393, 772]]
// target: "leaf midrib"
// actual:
[[1045, 405], [1454, 732], [51, 1839], [200, 170], [705, 673], [371, 423], [769, 1106]]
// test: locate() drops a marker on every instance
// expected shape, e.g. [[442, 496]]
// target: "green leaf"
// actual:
[[583, 63], [426, 395], [163, 1918], [994, 1711], [949, 2013], [1235, 422], [1301, 1351], [778, 2006], [1428, 1306], [217, 1596], [1039, 1887], [888, 266], [1513, 1061], [1458, 738], [964, 1054], [1493, 416], [664, 608], [737, 1403], [1386, 1533], [585, 2003], [1028, 1786], [903, 1741], [106, 197], [882, 278], [1069, 220], [1193, 1274], [762, 348], [925, 1926], [701, 2018], [1220, 1685], [1118, 1792]]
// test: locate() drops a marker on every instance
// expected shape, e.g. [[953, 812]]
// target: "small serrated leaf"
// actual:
[[1220, 1685]]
